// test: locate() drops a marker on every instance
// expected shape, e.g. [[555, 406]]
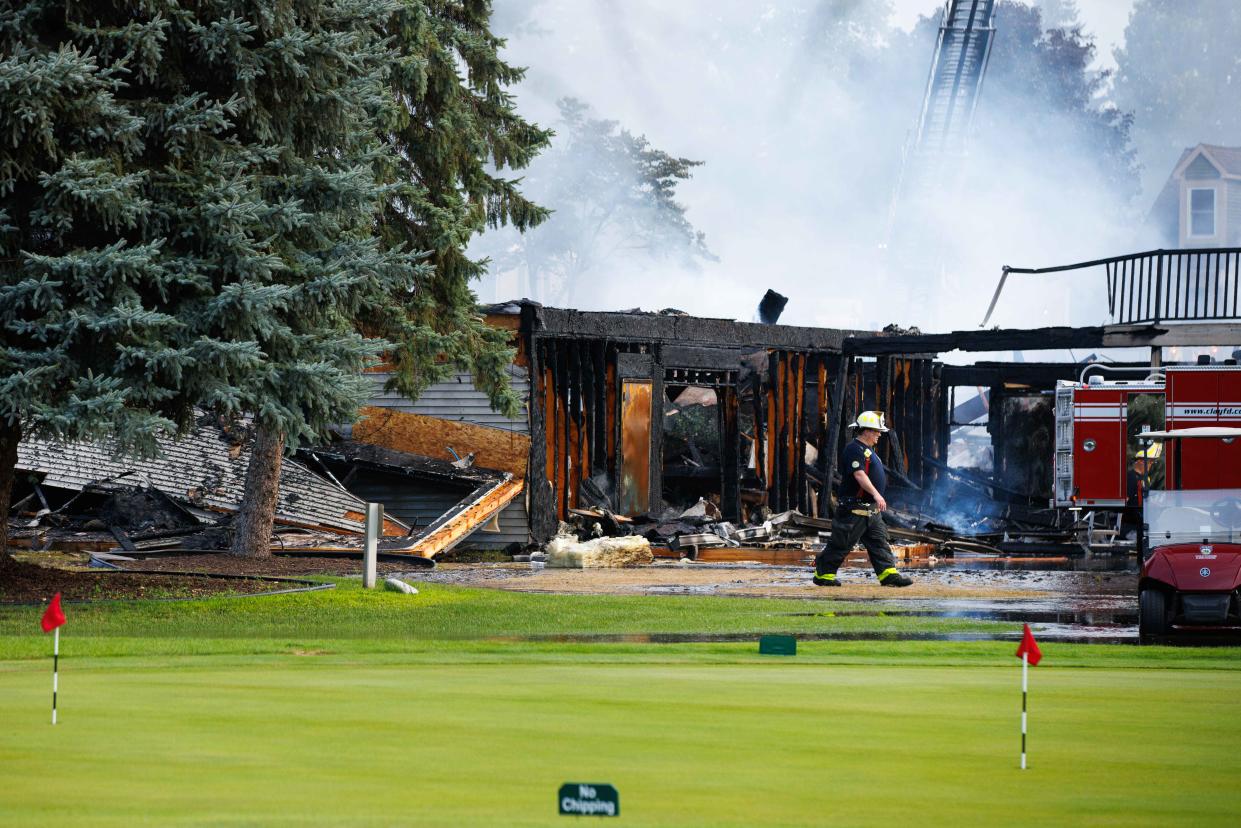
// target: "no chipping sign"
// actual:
[[588, 799]]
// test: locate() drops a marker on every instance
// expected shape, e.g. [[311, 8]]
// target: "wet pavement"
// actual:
[[1095, 602]]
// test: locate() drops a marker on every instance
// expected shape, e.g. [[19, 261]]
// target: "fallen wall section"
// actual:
[[492, 448]]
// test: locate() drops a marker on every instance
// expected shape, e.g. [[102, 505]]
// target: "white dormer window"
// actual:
[[1201, 212]]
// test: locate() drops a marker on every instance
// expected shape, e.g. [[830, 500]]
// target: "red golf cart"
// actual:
[[1191, 542]]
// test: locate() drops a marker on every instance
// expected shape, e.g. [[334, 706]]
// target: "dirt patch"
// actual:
[[753, 581], [290, 565], [30, 583]]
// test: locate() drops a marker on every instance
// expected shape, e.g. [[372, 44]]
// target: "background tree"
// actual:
[[614, 197], [1042, 97], [1041, 100], [1179, 73]]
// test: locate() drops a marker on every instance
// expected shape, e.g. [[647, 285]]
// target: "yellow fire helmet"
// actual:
[[870, 419], [1151, 452]]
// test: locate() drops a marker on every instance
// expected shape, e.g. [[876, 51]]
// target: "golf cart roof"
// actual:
[[1184, 433]]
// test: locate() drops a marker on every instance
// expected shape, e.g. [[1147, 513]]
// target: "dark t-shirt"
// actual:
[[1135, 488], [858, 457]]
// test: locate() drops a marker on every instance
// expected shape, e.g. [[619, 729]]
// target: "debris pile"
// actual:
[[955, 519], [86, 497], [567, 552]]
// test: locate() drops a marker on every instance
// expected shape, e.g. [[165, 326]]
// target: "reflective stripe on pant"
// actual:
[[847, 530]]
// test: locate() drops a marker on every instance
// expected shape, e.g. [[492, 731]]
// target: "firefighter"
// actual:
[[859, 509], [1137, 484]]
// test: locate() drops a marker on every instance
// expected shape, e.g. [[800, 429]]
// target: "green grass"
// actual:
[[354, 708], [379, 621]]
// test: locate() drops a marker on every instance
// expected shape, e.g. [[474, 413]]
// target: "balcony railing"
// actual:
[[1200, 284]]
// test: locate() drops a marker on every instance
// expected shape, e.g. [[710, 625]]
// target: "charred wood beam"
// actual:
[[730, 456], [612, 423], [915, 406], [1180, 334], [654, 328], [599, 405], [634, 366], [799, 443], [775, 431], [577, 424], [1035, 374], [563, 437], [834, 424], [656, 498], [943, 417], [758, 399], [1033, 339], [539, 505], [713, 359]]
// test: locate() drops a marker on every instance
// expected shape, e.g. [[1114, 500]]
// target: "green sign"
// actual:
[[777, 645], [588, 799]]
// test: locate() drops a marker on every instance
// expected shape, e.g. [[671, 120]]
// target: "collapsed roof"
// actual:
[[205, 468]]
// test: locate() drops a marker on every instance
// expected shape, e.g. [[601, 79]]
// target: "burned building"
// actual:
[[645, 412], [642, 416]]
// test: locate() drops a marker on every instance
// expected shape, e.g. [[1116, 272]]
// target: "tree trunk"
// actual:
[[253, 524], [10, 436]]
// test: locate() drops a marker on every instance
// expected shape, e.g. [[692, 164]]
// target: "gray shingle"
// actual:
[[199, 469]]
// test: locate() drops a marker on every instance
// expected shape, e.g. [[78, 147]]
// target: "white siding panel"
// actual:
[[456, 399]]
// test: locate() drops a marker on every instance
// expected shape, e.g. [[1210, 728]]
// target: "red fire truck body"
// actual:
[[1206, 396], [1092, 421]]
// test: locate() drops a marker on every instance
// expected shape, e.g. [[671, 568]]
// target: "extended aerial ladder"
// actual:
[[934, 153], [953, 87]]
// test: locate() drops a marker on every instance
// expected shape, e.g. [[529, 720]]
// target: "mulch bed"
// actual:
[[287, 565], [30, 583]]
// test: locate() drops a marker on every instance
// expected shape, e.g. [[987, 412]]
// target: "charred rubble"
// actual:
[[710, 438]]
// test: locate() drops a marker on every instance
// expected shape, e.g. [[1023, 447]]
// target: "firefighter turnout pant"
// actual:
[[849, 526]]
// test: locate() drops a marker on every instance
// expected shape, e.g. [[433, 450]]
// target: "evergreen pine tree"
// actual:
[[188, 218], [451, 128], [454, 133]]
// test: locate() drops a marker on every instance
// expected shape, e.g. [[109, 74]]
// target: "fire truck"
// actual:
[[1099, 423], [1189, 533]]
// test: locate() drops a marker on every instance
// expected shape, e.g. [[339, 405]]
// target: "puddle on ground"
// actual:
[[1087, 619], [1067, 600], [1046, 634], [1014, 563]]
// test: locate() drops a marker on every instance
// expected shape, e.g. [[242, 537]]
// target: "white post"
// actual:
[[55, 669], [1025, 669], [374, 528]]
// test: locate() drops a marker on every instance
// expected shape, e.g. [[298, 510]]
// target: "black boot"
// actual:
[[825, 580], [895, 579]]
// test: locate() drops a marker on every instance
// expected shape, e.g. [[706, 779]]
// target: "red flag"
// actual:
[[53, 616], [1029, 647]]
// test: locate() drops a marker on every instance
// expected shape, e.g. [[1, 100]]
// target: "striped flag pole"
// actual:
[[1029, 653], [53, 617], [1025, 668], [55, 669]]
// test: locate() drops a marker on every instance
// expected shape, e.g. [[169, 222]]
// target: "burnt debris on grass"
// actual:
[[25, 583]]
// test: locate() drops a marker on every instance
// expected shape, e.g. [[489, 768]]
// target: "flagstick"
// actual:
[[55, 669], [1025, 665]]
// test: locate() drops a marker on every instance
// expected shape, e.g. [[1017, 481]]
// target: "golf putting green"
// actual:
[[690, 735]]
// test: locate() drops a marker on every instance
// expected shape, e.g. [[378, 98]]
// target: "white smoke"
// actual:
[[800, 111]]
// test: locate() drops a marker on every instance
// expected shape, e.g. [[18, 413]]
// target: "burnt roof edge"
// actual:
[[564, 322]]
